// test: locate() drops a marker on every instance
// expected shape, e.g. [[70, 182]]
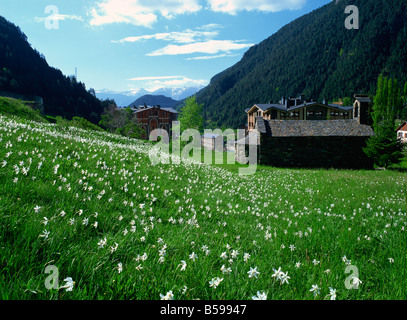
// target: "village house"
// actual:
[[402, 132], [154, 117], [301, 133], [297, 109]]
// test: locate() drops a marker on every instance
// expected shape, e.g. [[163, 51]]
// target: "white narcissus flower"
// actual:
[[102, 243], [332, 293], [315, 289], [284, 278], [45, 221], [277, 274], [260, 296], [215, 282], [44, 234], [168, 296], [226, 270], [355, 282], [69, 283], [193, 256], [253, 272], [183, 265]]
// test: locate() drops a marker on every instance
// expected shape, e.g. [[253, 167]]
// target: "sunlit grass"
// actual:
[[65, 190]]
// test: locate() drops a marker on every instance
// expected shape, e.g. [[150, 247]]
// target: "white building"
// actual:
[[402, 132], [211, 141]]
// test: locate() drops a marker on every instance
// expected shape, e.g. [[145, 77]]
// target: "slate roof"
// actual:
[[314, 128], [265, 107], [161, 108], [363, 99], [282, 107]]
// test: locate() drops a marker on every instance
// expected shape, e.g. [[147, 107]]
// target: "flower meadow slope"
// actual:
[[90, 207]]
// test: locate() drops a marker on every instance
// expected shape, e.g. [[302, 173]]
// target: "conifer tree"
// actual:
[[384, 148], [403, 115]]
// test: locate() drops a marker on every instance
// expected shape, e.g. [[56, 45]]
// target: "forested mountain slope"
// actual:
[[314, 55], [25, 71]]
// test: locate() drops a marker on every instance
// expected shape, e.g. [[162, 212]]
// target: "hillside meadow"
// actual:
[[90, 206]]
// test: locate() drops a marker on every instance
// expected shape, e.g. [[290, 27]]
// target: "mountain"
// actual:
[[125, 98], [178, 93], [314, 55], [152, 100], [23, 70], [122, 99]]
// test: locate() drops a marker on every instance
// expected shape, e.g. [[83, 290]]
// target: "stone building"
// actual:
[[297, 109], [155, 117], [309, 134]]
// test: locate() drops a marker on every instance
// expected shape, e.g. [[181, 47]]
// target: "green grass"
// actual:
[[78, 178], [18, 108]]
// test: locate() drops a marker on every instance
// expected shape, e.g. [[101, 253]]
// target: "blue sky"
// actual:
[[125, 45]]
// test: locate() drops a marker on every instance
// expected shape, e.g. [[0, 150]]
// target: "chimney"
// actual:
[[362, 109]]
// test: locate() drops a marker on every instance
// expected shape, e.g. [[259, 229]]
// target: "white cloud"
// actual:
[[208, 47], [155, 83], [210, 26], [187, 36], [182, 82], [155, 78], [234, 6], [224, 55], [200, 40], [59, 17], [139, 12], [145, 12]]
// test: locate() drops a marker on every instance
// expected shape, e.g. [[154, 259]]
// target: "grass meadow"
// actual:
[[91, 205]]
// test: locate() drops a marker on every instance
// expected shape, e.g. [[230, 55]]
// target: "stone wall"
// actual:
[[314, 152]]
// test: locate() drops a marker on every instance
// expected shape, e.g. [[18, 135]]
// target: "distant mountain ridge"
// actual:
[[125, 98], [153, 100], [122, 99], [316, 56]]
